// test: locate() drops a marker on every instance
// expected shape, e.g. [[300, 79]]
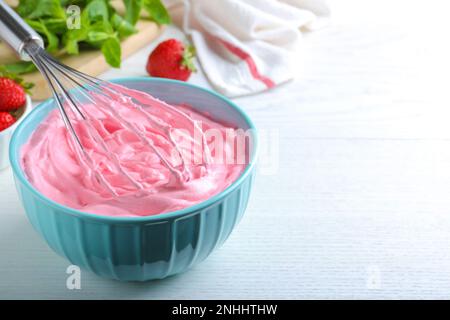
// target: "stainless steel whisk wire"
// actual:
[[29, 45]]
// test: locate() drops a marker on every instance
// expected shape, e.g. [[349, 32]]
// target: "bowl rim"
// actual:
[[18, 172], [27, 109]]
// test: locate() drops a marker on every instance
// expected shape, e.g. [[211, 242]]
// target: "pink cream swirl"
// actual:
[[132, 164]]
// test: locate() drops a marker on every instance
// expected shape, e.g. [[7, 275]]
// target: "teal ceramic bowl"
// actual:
[[139, 248]]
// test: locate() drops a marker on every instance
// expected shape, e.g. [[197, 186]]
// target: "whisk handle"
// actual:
[[15, 32]]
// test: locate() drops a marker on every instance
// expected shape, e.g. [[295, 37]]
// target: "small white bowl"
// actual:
[[5, 135]]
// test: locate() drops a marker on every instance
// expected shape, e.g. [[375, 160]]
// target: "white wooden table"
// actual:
[[357, 204]]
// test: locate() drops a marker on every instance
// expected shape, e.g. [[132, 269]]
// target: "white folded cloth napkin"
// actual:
[[247, 46]]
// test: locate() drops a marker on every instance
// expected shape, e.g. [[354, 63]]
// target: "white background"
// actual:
[[359, 205]]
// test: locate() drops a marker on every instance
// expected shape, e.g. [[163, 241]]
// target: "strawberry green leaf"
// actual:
[[188, 58]]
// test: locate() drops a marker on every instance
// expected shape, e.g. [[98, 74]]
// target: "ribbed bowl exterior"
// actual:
[[142, 248], [137, 250]]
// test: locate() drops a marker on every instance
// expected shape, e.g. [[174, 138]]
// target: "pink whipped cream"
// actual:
[[136, 182]]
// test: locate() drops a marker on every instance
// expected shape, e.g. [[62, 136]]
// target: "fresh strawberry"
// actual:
[[6, 120], [171, 59], [12, 95]]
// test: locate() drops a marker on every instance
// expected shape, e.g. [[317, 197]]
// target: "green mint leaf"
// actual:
[[157, 11], [13, 70], [55, 25], [99, 32], [20, 67], [47, 8], [71, 46], [97, 10], [112, 52], [81, 3], [123, 27], [102, 26], [132, 10], [26, 7], [72, 37], [52, 40], [97, 36]]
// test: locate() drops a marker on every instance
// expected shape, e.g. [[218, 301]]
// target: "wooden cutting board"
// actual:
[[90, 62]]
